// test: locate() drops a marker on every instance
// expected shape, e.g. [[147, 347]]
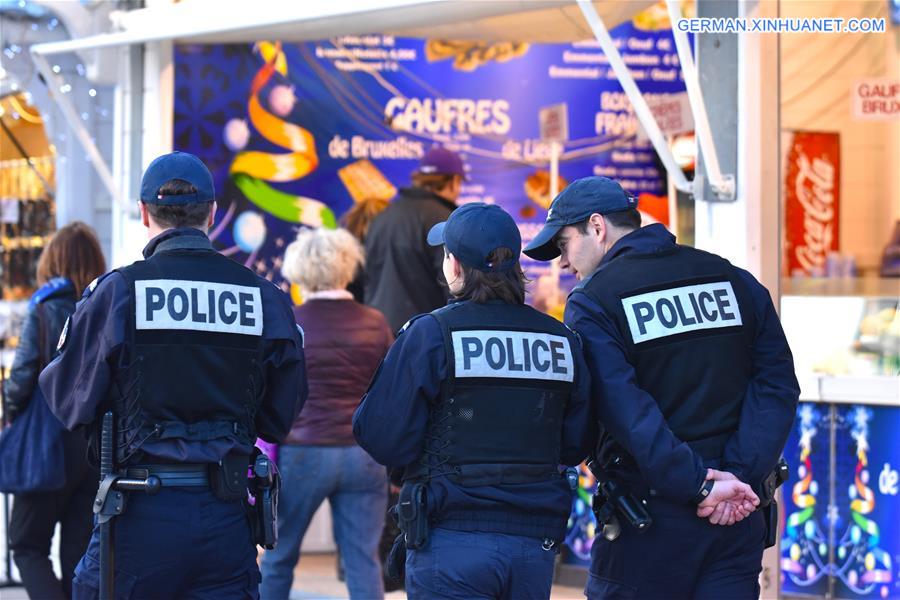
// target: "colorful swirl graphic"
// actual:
[[805, 547], [861, 563], [250, 170], [855, 558]]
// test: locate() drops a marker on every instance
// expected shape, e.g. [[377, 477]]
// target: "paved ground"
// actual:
[[315, 578]]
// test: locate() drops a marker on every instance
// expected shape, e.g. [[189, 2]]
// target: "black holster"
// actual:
[[770, 514], [409, 514], [263, 503], [767, 503], [395, 565], [412, 515], [614, 499]]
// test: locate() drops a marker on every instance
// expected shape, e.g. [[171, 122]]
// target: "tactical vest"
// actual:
[[193, 340], [688, 324], [500, 415]]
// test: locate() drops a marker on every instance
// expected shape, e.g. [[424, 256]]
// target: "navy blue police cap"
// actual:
[[177, 165], [475, 230], [578, 201]]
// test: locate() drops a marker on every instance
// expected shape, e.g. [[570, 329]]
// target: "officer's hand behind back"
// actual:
[[730, 500]]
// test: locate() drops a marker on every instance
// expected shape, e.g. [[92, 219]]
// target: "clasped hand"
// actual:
[[730, 500]]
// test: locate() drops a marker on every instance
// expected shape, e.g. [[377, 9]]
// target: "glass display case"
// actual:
[[841, 513]]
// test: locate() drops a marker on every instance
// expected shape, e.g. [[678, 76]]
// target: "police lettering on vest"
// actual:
[[198, 306], [678, 310], [512, 354]]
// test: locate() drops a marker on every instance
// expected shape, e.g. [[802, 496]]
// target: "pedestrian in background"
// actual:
[[357, 221], [404, 274], [695, 392], [70, 261], [319, 459]]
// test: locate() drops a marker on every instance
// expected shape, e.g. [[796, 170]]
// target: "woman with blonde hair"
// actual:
[[70, 261], [344, 343]]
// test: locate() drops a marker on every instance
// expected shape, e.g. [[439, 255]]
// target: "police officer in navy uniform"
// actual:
[[481, 401], [197, 356], [694, 387]]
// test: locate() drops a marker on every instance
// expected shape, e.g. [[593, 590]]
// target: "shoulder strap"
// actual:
[[441, 318], [43, 342]]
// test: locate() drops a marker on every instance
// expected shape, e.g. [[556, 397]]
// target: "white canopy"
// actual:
[[233, 21]]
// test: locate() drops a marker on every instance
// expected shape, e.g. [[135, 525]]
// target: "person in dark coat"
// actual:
[[404, 274], [476, 406], [320, 459], [695, 393], [69, 262]]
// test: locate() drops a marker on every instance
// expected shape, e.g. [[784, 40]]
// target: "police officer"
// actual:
[[196, 356], [694, 387], [480, 401]]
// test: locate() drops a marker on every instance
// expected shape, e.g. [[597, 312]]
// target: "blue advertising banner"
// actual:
[[805, 550], [296, 133], [842, 528], [867, 520]]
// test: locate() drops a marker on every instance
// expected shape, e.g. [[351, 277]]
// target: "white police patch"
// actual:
[[198, 306], [512, 354], [664, 313]]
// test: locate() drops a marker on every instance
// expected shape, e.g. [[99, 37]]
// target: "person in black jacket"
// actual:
[[404, 274], [477, 404], [695, 393], [68, 264]]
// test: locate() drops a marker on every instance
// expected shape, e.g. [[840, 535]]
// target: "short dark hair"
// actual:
[[482, 286], [629, 218], [193, 214]]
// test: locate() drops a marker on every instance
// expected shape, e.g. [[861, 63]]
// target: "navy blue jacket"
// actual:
[[57, 299], [391, 423], [632, 416], [78, 381]]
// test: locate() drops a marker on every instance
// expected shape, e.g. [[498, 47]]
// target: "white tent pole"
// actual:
[[723, 186], [644, 115], [555, 151], [55, 84]]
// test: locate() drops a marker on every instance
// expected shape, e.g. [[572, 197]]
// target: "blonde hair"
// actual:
[[322, 259]]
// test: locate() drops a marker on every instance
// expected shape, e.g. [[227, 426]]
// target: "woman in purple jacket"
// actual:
[[344, 343]]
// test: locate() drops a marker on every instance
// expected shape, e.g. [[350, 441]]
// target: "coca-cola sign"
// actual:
[[812, 192]]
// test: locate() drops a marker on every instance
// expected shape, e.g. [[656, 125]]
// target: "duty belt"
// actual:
[[173, 475]]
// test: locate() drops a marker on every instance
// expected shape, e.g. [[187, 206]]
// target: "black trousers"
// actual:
[[34, 518]]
